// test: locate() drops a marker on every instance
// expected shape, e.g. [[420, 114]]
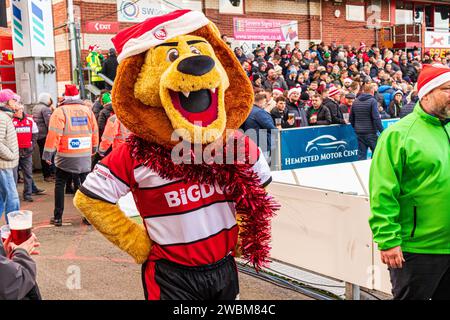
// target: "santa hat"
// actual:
[[333, 91], [154, 31], [348, 80], [93, 47], [431, 77], [293, 90], [362, 45], [71, 92], [278, 89]]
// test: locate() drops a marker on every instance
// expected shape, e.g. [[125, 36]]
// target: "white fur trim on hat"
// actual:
[[297, 89], [184, 24], [433, 84]]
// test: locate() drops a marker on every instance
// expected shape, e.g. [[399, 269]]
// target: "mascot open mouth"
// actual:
[[197, 106]]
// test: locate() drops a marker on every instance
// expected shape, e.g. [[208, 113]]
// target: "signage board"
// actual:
[[32, 28], [265, 29], [138, 11], [317, 146], [102, 27]]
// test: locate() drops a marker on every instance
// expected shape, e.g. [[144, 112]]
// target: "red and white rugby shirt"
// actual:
[[190, 224]]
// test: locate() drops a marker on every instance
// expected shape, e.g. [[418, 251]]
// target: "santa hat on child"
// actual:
[[431, 77], [154, 31], [71, 92]]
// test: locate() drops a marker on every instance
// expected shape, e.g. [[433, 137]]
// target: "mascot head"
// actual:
[[176, 73]]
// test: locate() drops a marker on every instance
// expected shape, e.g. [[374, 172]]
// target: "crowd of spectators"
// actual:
[[336, 73]]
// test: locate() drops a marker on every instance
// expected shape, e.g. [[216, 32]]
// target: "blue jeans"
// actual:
[[9, 198], [366, 141]]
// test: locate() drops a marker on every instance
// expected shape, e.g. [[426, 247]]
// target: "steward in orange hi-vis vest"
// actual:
[[73, 135], [114, 136]]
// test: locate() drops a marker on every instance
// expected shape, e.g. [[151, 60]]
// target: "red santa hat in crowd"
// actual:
[[362, 46], [154, 31], [71, 92], [278, 89], [431, 77], [333, 91], [93, 47], [294, 90]]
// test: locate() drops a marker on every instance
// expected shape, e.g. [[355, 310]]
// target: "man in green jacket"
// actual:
[[410, 193]]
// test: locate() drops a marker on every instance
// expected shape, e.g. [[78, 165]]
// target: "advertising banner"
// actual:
[[437, 39], [138, 11], [265, 29], [32, 25], [317, 146]]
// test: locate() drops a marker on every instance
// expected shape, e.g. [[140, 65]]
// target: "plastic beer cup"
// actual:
[[5, 232], [291, 117], [298, 121], [20, 223], [278, 123], [346, 117]]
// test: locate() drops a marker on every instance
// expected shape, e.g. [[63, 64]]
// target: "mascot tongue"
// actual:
[[199, 106], [253, 203]]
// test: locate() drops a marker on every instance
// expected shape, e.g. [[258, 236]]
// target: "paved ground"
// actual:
[[76, 262]]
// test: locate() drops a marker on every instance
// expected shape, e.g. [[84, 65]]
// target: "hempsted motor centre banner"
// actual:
[[265, 29], [322, 145], [318, 146]]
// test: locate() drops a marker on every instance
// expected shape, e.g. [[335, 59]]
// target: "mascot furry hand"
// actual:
[[173, 91]]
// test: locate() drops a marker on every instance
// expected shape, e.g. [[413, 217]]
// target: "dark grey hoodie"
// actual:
[[17, 275]]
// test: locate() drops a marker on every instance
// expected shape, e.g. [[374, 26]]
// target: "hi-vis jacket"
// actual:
[[73, 135], [114, 136]]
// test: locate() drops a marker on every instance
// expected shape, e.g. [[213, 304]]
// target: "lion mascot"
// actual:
[[198, 182]]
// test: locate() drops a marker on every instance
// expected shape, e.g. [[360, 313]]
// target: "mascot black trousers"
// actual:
[[165, 280]]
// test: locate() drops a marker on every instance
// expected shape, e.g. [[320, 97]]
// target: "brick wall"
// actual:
[[348, 32], [309, 26]]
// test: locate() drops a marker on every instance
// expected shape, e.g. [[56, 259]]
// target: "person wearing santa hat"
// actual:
[[94, 61], [73, 136], [410, 191], [296, 107]]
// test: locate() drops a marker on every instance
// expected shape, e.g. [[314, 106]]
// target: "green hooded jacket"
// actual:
[[410, 185]]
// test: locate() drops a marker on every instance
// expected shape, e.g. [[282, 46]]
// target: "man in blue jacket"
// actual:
[[261, 122], [366, 120]]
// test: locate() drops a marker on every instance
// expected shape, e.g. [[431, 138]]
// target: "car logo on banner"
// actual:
[[325, 143]]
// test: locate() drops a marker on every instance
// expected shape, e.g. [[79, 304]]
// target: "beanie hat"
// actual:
[[71, 92], [326, 55], [431, 77], [154, 31], [8, 94], [293, 90], [400, 92], [44, 98], [106, 98], [333, 91]]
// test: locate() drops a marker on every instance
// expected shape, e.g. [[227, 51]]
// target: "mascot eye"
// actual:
[[195, 50], [172, 55]]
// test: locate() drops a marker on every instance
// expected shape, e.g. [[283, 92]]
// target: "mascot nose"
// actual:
[[196, 65]]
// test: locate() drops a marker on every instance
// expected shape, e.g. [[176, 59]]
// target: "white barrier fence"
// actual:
[[323, 225]]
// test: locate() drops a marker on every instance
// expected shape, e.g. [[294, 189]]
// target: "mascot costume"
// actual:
[[181, 90]]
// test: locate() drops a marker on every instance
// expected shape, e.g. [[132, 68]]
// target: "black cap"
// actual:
[[350, 96]]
